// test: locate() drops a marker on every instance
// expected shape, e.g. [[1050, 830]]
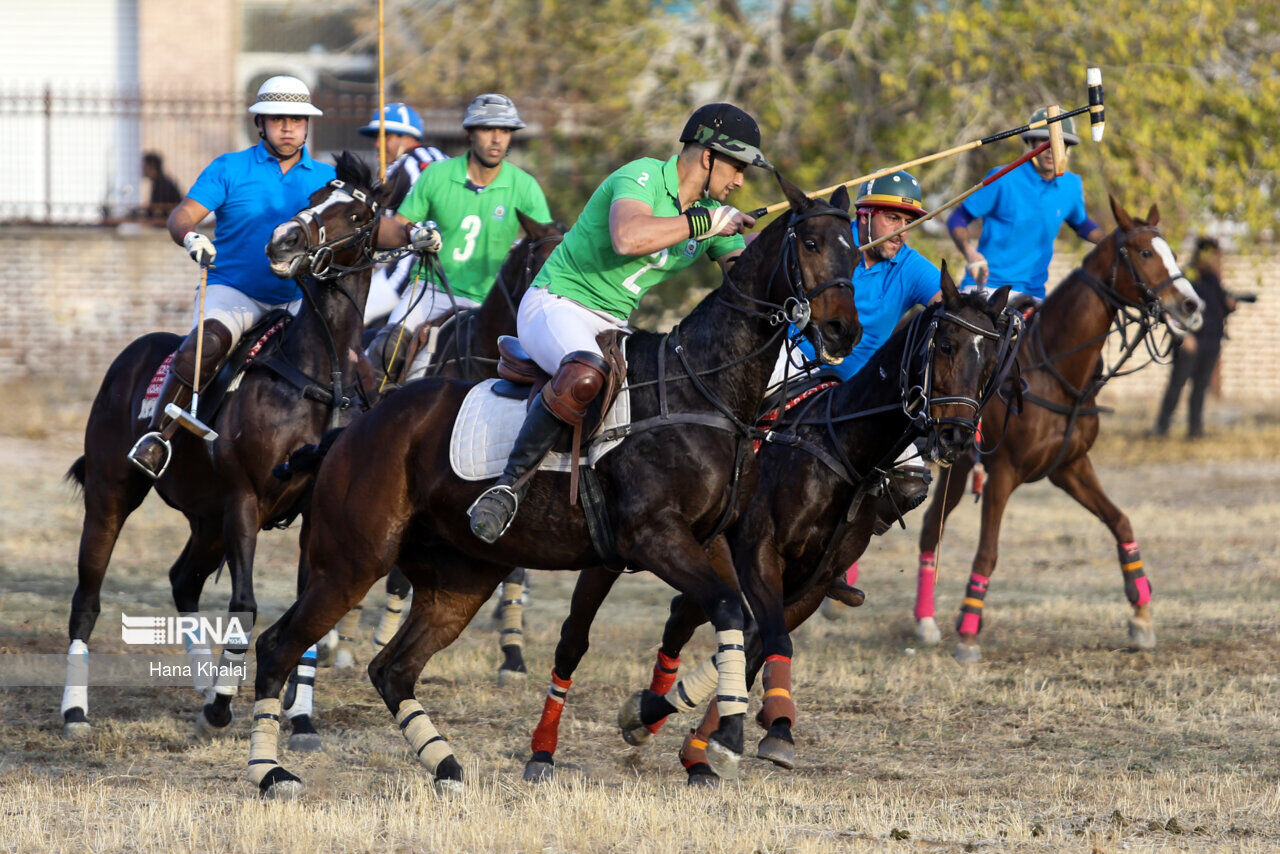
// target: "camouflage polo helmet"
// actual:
[[899, 191], [1041, 134], [728, 130]]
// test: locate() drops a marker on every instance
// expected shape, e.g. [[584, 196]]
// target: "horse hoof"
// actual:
[[703, 779], [76, 730], [280, 785], [447, 787], [305, 742], [927, 631], [777, 750], [1142, 635], [632, 727], [511, 678], [343, 659], [967, 653], [723, 761], [539, 772]]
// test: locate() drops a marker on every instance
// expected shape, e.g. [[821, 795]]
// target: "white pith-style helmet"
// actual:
[[283, 95]]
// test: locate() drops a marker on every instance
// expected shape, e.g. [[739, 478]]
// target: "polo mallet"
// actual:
[[1093, 79], [190, 420], [990, 179]]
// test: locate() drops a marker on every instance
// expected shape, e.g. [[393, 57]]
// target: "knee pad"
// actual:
[[581, 377], [217, 344]]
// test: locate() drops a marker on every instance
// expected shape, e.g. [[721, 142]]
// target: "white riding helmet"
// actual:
[[283, 95], [492, 111]]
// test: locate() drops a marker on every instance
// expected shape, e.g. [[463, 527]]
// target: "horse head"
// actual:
[[812, 254], [1145, 272], [961, 352], [335, 235]]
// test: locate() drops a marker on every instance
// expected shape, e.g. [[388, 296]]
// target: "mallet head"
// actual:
[[1097, 117]]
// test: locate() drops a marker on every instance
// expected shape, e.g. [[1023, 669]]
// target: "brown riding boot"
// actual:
[[386, 357], [151, 453]]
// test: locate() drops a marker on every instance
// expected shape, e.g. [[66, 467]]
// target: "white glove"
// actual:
[[978, 269], [200, 248], [425, 237], [727, 220]]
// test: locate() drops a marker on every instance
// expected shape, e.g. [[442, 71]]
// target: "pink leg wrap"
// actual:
[[1137, 587], [924, 585], [851, 574], [970, 623]]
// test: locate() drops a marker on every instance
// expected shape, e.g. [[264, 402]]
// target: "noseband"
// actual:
[[1149, 304]]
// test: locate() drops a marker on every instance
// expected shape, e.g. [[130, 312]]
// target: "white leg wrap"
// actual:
[[512, 615], [76, 693], [427, 743], [731, 666], [390, 622], [264, 740], [200, 656], [348, 627], [230, 665], [303, 683], [687, 694]]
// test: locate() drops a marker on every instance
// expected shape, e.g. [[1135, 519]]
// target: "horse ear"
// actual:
[[1153, 215], [391, 193], [840, 198], [1122, 217], [950, 294], [996, 304], [534, 229], [795, 196]]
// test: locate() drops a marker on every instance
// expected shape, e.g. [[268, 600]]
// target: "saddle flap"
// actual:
[[514, 364]]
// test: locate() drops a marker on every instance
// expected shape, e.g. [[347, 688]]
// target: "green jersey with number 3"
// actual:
[[477, 226], [585, 269]]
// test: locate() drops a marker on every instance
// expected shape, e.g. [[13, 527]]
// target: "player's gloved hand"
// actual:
[[724, 220], [977, 267], [200, 248], [425, 237]]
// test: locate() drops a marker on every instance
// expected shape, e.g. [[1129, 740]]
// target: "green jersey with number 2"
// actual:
[[477, 226], [585, 269]]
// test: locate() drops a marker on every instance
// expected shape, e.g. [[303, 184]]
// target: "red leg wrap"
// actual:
[[665, 670], [547, 733]]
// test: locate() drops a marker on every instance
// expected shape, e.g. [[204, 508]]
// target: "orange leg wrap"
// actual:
[[777, 692], [547, 733], [694, 750], [665, 670]]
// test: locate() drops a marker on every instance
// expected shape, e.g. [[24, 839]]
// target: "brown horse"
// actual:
[[226, 490], [1130, 282], [681, 474], [813, 515]]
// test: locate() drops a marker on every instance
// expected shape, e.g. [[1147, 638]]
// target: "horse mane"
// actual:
[[353, 170]]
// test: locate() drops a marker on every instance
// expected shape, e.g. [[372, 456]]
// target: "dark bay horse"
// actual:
[[812, 516], [667, 490], [226, 490], [1130, 282]]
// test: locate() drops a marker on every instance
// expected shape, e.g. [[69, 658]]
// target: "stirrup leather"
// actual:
[[495, 491], [164, 443]]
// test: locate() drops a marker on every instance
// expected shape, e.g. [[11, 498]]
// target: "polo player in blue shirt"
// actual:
[[1021, 215], [250, 192]]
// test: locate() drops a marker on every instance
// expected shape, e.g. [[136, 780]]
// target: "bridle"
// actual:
[[318, 249], [1149, 304]]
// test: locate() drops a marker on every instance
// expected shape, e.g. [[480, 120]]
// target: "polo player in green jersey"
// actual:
[[646, 222]]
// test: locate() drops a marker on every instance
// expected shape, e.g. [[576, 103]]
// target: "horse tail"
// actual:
[[307, 459], [75, 474]]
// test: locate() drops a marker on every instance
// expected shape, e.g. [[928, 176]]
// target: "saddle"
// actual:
[[424, 340]]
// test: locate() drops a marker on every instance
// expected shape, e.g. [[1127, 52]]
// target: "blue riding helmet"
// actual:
[[397, 118]]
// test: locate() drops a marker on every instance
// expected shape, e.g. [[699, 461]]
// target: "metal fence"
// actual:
[[75, 156]]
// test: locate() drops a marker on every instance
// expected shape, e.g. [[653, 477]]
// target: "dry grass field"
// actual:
[[1062, 739]]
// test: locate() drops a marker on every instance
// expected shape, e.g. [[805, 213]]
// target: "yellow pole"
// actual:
[[382, 100]]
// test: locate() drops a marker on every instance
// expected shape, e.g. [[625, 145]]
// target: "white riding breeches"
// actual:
[[385, 285], [421, 302], [235, 310], [797, 370], [551, 327], [987, 292]]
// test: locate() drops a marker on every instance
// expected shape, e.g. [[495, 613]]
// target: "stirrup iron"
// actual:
[[492, 492], [164, 443]]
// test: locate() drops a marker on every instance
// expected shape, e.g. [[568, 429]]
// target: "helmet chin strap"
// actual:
[[262, 134], [711, 164]]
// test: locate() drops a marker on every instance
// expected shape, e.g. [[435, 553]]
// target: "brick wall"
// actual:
[[71, 299]]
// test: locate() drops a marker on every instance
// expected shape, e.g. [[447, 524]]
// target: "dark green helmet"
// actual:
[[1041, 134], [899, 191], [728, 130]]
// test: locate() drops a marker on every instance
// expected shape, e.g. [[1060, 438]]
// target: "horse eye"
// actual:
[[810, 244], [946, 347], [1147, 253]]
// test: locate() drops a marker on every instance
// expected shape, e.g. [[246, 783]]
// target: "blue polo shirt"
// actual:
[[883, 293], [1021, 215], [250, 196]]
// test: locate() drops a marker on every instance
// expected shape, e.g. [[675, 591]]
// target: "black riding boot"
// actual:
[[906, 488], [495, 509]]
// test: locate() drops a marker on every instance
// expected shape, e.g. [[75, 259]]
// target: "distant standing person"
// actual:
[[1197, 353], [165, 194]]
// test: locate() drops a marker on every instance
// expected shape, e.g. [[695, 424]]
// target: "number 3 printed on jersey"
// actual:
[[470, 225]]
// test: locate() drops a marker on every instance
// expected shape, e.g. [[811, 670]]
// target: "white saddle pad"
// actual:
[[486, 429]]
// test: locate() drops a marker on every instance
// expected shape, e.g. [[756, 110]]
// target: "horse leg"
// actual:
[[299, 696], [201, 556], [511, 637], [240, 537], [1079, 480], [592, 586], [945, 499], [398, 588], [107, 503], [763, 588], [995, 495], [446, 595]]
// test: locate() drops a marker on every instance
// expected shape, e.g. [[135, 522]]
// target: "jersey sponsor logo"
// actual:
[[690, 248], [500, 212]]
